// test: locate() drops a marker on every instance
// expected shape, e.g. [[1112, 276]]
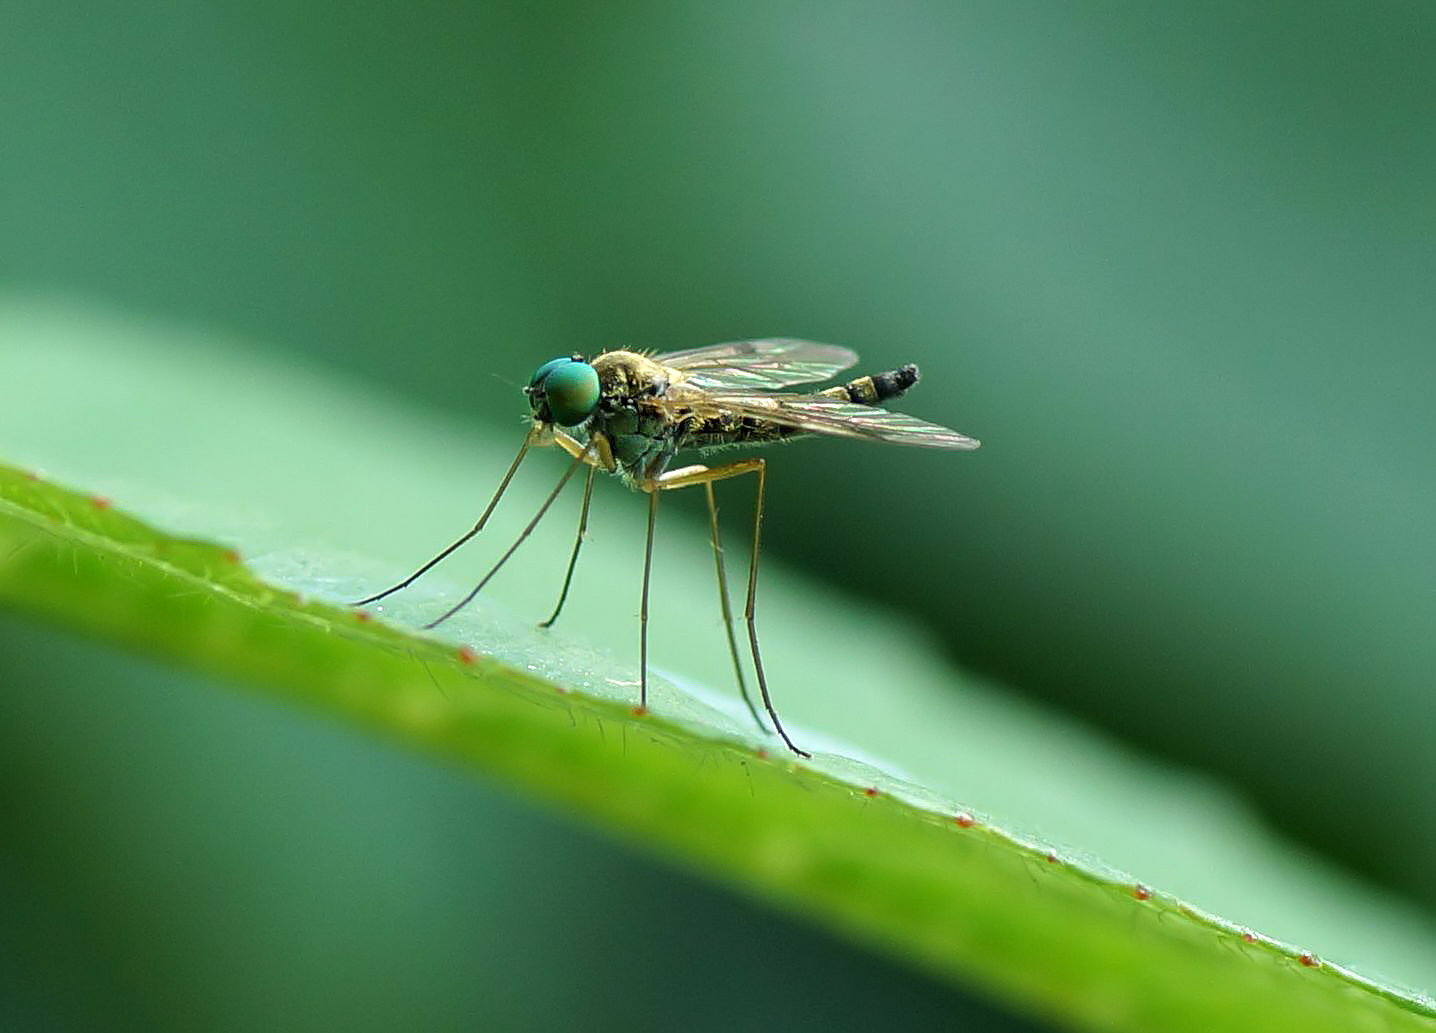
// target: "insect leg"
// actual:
[[727, 610], [479, 526], [602, 451], [643, 605], [577, 542], [582, 458], [703, 475]]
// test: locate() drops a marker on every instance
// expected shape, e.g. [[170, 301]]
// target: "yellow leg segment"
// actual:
[[598, 453]]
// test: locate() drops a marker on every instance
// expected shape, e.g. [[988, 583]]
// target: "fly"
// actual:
[[629, 414]]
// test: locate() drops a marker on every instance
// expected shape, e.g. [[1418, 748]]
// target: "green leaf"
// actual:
[[300, 481]]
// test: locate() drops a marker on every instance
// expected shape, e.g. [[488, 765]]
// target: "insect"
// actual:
[[629, 414]]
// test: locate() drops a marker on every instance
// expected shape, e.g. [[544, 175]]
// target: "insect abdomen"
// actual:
[[725, 429], [877, 388]]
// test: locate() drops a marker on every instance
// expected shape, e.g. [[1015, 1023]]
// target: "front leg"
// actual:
[[598, 450]]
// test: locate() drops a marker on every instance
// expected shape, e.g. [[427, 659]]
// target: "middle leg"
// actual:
[[577, 544]]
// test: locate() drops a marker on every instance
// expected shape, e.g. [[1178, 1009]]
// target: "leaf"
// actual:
[[297, 476]]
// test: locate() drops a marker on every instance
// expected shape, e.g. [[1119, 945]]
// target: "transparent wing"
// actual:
[[759, 365], [816, 414]]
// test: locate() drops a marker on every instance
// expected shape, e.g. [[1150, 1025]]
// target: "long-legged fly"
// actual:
[[629, 414]]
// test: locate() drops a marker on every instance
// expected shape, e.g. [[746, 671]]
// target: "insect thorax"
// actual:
[[642, 434]]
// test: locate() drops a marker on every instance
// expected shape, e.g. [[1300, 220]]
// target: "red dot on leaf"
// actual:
[[762, 754], [100, 502], [1141, 892], [231, 556], [363, 616], [1249, 936], [1308, 959], [1052, 857], [466, 655], [870, 791], [964, 820], [640, 711]]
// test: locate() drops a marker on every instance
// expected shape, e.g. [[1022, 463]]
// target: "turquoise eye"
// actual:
[[570, 390], [547, 368]]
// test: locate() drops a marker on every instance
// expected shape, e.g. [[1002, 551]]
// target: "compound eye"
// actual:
[[571, 391], [547, 368]]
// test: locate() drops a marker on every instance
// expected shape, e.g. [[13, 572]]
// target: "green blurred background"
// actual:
[[1174, 267]]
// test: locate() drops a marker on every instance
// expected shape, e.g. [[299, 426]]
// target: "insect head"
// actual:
[[563, 391]]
